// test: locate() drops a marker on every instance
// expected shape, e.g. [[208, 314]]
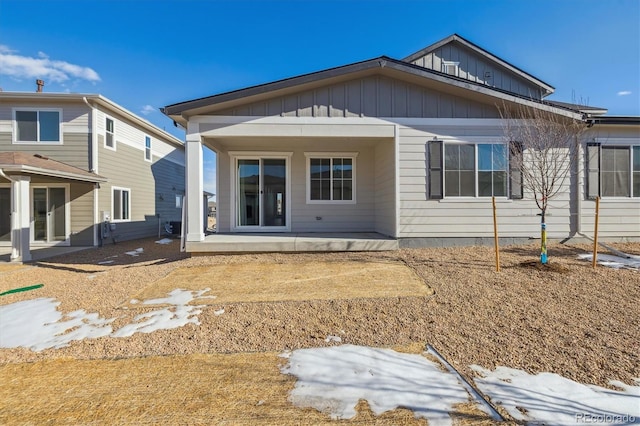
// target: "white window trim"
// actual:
[[120, 188], [150, 159], [480, 198], [112, 148], [67, 214], [310, 155], [618, 144], [256, 155], [14, 123]]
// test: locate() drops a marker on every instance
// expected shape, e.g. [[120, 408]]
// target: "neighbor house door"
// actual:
[[49, 215], [261, 193]]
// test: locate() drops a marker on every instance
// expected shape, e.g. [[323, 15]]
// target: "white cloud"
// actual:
[[147, 109], [23, 67], [624, 93]]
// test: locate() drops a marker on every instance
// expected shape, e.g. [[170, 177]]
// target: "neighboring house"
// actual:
[[399, 148], [80, 170]]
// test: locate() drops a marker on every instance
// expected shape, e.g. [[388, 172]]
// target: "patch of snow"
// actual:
[[135, 252], [218, 312], [333, 339], [333, 380], [105, 262], [37, 324], [617, 262], [164, 241], [162, 319], [177, 315], [554, 400]]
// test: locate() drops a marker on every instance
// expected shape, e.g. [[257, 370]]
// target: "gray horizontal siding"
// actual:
[[82, 218], [153, 187], [74, 150], [374, 96]]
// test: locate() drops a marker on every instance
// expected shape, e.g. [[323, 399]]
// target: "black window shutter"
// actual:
[[593, 170], [435, 170], [516, 190]]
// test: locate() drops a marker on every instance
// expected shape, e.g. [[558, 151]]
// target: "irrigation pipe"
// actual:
[[491, 410]]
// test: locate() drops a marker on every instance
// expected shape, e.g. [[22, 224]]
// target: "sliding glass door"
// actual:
[[49, 215], [261, 186]]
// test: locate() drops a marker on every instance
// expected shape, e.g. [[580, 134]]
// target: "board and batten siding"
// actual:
[[373, 96], [473, 67], [385, 188], [456, 217], [359, 217]]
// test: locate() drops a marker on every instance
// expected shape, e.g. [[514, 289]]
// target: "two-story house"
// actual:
[[80, 170]]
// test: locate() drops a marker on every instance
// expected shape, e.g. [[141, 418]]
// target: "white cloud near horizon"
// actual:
[[624, 92], [42, 67], [147, 109]]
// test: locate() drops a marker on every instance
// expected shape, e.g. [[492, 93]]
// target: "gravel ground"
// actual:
[[572, 320]]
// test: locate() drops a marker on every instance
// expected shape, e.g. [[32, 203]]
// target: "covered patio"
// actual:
[[292, 242]]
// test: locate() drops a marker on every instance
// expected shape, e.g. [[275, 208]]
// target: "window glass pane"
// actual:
[[636, 158], [337, 190], [27, 126], [467, 157], [485, 184], [49, 126], [451, 183], [500, 184], [325, 189], [484, 157], [125, 204], [467, 184], [117, 204], [622, 159], [347, 168], [451, 157], [337, 168], [109, 125], [636, 184], [608, 156], [347, 189], [499, 157]]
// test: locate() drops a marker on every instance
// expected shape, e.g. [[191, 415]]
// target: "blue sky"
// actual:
[[145, 54]]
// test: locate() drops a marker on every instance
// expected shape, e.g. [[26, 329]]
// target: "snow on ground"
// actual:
[[37, 324], [554, 400], [617, 262], [333, 379]]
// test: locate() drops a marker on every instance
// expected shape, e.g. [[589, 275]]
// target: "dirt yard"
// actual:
[[581, 323]]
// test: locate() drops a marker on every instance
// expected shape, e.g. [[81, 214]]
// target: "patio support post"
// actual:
[[20, 219], [194, 177]]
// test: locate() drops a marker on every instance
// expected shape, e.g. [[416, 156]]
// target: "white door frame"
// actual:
[[258, 155], [67, 216]]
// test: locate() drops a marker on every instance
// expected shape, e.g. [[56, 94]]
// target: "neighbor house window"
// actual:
[[37, 126], [613, 171], [109, 137], [331, 178], [147, 148], [121, 204], [472, 170]]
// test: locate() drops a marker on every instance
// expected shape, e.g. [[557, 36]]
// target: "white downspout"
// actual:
[[97, 220]]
